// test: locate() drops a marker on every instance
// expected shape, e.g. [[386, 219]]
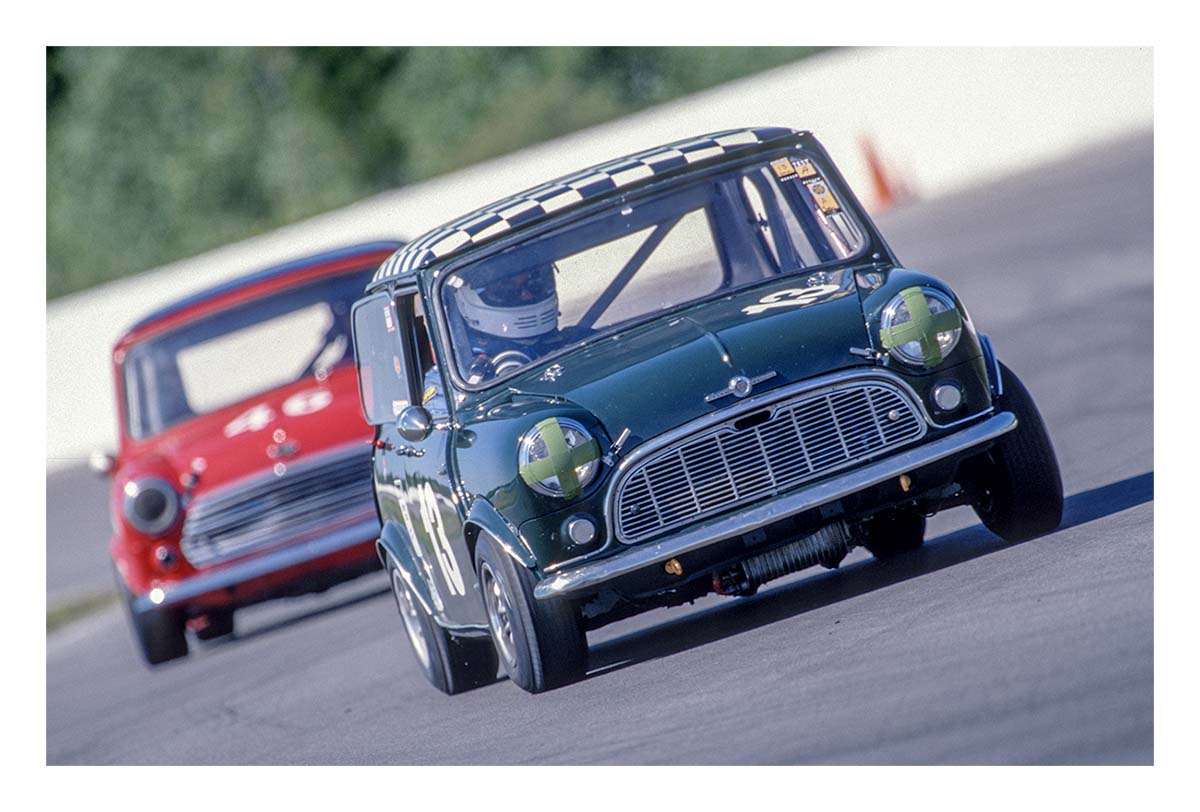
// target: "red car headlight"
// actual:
[[151, 505]]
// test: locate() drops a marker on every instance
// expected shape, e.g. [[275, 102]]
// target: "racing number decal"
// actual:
[[256, 418], [436, 532], [792, 297]]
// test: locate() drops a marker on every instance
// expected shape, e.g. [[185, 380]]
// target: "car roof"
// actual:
[[257, 277], [556, 197]]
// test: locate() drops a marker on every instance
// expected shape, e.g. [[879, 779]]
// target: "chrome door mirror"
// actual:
[[414, 423]]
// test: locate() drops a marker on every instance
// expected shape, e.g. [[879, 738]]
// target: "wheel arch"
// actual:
[[484, 518], [394, 543], [992, 364]]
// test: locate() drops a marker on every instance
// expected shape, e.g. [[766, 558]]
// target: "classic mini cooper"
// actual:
[[693, 369], [243, 471]]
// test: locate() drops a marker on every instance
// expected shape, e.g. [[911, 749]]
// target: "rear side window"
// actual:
[[378, 354]]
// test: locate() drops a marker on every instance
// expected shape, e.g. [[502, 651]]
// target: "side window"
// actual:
[[379, 357]]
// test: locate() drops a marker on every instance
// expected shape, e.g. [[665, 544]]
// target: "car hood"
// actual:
[[287, 426], [656, 376]]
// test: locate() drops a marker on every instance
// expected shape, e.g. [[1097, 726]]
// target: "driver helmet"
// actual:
[[512, 305]]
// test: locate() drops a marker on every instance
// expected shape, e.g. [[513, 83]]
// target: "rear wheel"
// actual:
[[1020, 487], [894, 532], [451, 663], [542, 644], [159, 633]]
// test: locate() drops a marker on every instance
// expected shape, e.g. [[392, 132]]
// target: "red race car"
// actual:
[[244, 466]]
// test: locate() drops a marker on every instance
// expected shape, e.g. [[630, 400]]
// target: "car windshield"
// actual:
[[633, 261], [240, 352]]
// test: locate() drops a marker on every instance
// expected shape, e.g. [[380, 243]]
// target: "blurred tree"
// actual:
[[154, 154]]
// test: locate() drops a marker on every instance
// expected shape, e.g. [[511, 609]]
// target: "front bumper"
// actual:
[[586, 577], [267, 564]]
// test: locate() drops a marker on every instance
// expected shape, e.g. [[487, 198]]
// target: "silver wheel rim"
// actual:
[[412, 623], [500, 616]]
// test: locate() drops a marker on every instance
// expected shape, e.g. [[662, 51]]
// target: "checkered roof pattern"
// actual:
[[569, 192]]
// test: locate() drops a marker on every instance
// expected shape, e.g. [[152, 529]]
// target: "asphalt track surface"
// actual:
[[969, 650]]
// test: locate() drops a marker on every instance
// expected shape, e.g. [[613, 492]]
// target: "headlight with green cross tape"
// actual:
[[558, 457], [920, 326]]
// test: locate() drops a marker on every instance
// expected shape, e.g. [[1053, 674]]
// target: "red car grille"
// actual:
[[273, 510]]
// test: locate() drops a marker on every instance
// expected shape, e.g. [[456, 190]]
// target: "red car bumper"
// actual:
[[305, 565]]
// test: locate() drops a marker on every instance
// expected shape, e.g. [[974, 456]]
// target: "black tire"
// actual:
[[894, 532], [451, 663], [220, 624], [160, 634], [1020, 487], [542, 644]]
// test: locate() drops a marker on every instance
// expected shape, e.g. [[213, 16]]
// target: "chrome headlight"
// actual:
[[920, 326], [558, 457], [151, 505]]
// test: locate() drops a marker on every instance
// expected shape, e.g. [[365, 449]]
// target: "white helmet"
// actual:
[[513, 305]]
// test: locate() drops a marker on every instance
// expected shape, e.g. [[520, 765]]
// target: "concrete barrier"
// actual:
[[941, 119]]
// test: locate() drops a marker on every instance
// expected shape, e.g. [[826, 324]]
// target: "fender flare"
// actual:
[[394, 544], [483, 517], [995, 382]]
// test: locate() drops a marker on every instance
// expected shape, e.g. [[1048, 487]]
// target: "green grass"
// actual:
[[155, 154], [65, 612]]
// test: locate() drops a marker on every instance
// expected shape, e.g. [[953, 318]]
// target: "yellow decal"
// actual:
[[822, 195], [783, 168], [805, 168], [429, 393]]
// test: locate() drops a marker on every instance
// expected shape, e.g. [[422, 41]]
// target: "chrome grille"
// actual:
[[270, 510], [762, 453]]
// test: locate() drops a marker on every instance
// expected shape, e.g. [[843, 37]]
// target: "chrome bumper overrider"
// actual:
[[176, 592], [587, 576]]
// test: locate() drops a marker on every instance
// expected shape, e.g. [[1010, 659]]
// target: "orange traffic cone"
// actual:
[[888, 190]]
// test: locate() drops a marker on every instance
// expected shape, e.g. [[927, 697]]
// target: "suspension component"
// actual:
[[827, 547]]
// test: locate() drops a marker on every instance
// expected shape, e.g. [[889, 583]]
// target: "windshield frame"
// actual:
[[873, 248], [123, 371]]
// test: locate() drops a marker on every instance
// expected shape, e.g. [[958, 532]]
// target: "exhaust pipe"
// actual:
[[827, 547]]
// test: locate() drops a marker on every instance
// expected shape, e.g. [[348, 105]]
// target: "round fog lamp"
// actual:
[[947, 396], [581, 529]]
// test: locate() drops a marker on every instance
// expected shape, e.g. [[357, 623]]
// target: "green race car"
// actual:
[[694, 369]]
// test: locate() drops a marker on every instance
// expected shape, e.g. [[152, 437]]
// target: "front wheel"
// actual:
[[542, 644], [218, 624], [451, 663], [159, 633], [1020, 487]]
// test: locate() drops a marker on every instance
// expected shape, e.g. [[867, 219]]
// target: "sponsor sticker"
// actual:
[[804, 168], [822, 195], [783, 168]]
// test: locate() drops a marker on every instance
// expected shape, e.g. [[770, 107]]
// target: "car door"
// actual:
[[430, 506]]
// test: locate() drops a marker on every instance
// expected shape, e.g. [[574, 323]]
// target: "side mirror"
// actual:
[[102, 462], [414, 423]]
